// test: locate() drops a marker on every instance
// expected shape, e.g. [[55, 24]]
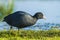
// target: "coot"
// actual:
[[21, 19]]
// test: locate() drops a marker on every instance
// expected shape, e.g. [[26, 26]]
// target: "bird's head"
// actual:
[[39, 15]]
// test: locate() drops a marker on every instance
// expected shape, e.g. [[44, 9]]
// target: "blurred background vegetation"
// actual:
[[6, 9]]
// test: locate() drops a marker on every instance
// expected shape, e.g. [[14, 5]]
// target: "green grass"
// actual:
[[42, 38], [30, 35]]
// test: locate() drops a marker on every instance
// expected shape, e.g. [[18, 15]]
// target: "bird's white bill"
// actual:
[[44, 17]]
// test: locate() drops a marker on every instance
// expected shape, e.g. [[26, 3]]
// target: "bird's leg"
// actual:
[[18, 31], [10, 28], [10, 31]]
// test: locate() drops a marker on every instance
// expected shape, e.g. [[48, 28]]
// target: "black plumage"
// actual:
[[22, 19]]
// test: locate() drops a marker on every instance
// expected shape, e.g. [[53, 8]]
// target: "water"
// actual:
[[51, 9]]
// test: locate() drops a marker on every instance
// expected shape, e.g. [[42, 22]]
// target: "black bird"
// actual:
[[21, 19]]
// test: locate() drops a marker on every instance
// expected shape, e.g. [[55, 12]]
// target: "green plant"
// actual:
[[6, 10]]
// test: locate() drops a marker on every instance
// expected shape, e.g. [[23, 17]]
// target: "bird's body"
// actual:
[[20, 19]]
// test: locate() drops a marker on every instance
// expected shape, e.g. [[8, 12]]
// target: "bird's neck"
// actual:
[[35, 18]]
